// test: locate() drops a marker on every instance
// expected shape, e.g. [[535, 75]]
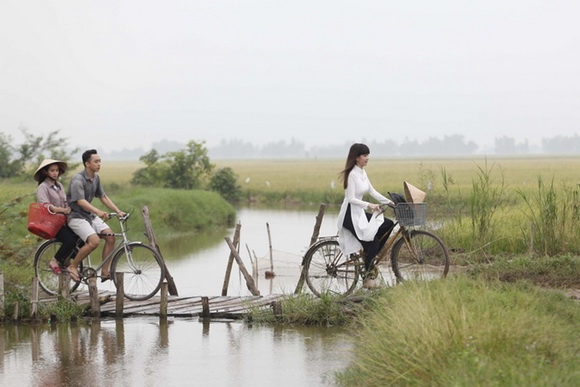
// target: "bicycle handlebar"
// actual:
[[384, 208], [115, 215]]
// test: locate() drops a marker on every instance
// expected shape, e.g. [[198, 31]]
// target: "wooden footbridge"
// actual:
[[168, 303], [226, 307]]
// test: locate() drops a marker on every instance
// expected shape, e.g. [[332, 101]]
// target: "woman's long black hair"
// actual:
[[355, 151]]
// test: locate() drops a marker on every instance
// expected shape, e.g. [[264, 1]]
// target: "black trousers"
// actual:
[[68, 238], [371, 248]]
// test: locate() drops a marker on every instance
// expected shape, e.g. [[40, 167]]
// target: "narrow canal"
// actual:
[[188, 351]]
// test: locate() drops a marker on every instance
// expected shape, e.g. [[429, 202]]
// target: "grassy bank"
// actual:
[[462, 331], [171, 212]]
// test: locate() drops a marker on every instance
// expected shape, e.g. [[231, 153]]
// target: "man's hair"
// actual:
[[87, 155]]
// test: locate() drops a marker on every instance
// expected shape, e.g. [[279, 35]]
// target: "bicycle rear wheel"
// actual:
[[419, 255], [48, 281], [142, 268], [328, 270]]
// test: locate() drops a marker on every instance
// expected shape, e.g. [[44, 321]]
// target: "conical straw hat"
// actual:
[[62, 166], [413, 194]]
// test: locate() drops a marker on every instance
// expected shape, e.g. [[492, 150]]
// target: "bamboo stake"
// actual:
[[34, 298], [163, 302], [249, 281], [64, 285], [313, 239], [153, 242], [94, 297], [120, 296], [231, 261], [205, 313], [2, 313], [254, 264], [270, 273]]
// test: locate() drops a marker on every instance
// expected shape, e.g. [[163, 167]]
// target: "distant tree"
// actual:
[[409, 148], [8, 166], [234, 149], [21, 159], [281, 149], [154, 173], [186, 169], [505, 145], [224, 181], [562, 144]]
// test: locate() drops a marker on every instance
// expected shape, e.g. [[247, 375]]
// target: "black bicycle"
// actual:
[[142, 267], [415, 255]]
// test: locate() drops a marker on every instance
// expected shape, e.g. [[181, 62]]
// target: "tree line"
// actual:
[[186, 168], [453, 145]]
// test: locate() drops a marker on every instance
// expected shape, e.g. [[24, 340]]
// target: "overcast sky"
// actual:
[[120, 74]]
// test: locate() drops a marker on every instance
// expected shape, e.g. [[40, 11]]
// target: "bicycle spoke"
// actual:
[[328, 270], [142, 268], [420, 255], [48, 281]]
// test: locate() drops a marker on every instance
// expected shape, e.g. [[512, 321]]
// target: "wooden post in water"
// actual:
[[163, 301], [94, 297], [249, 280], [231, 261], [2, 313], [34, 299], [313, 239], [120, 295], [270, 273], [254, 264], [205, 307], [64, 285], [16, 311], [153, 242]]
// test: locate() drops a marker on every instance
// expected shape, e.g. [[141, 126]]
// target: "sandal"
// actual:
[[105, 278], [74, 275], [54, 266]]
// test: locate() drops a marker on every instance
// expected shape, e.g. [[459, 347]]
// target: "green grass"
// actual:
[[552, 272], [306, 309], [171, 212], [464, 332]]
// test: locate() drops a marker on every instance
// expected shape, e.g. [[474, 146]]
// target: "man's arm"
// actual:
[[109, 203], [85, 205]]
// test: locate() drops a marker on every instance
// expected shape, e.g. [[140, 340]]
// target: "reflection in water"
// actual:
[[150, 352], [185, 352]]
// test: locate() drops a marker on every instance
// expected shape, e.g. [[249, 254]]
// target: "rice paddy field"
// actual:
[[481, 206]]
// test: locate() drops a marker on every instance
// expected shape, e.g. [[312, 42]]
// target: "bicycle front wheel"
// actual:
[[329, 271], [48, 281], [143, 271], [419, 255]]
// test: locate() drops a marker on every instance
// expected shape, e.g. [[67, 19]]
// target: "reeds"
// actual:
[[554, 217], [464, 332]]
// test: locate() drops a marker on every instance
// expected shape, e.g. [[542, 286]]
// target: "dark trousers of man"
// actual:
[[68, 238], [371, 248]]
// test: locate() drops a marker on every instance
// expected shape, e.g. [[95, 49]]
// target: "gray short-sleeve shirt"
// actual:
[[82, 187]]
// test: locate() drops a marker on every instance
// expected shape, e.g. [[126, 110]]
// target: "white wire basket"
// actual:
[[411, 214]]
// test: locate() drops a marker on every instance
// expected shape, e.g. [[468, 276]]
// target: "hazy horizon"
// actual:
[[115, 75]]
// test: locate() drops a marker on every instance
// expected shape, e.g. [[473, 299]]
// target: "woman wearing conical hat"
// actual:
[[51, 192]]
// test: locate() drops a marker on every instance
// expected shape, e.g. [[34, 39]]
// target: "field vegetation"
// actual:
[[462, 331], [513, 222]]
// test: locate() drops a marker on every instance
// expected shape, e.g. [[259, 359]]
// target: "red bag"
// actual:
[[44, 223]]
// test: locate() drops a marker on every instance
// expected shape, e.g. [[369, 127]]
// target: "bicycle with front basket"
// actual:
[[142, 267], [415, 254]]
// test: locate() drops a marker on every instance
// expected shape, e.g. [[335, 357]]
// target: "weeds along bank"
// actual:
[[170, 211], [460, 331]]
